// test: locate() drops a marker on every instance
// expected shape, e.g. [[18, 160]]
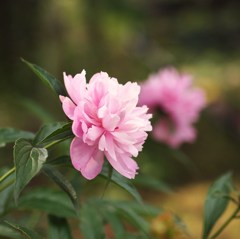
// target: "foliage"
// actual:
[[216, 202], [32, 156], [96, 218]]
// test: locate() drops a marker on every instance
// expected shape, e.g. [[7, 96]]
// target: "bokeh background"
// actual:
[[129, 39]]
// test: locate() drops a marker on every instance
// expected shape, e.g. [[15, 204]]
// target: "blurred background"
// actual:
[[129, 39]]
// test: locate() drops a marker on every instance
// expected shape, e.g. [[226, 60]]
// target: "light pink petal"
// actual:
[[98, 77], [68, 106], [102, 111], [86, 159], [102, 143], [80, 153], [130, 92], [123, 137], [173, 136], [124, 165], [93, 134], [93, 166], [77, 128], [109, 145], [110, 122], [76, 86]]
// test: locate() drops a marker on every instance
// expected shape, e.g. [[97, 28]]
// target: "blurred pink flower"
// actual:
[[106, 122], [171, 94]]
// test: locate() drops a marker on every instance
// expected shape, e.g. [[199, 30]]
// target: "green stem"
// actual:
[[51, 144], [110, 172], [8, 173], [12, 170], [234, 214], [55, 142]]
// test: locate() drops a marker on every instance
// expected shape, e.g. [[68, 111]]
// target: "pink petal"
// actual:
[[94, 166], [77, 128], [123, 137], [76, 86], [173, 136], [102, 111], [124, 165], [93, 134], [68, 106], [102, 143], [86, 159], [106, 143], [110, 122]]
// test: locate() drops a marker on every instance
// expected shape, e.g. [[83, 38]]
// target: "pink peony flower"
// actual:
[[106, 122], [179, 104]]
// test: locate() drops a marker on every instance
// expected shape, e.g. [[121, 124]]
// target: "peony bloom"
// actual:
[[172, 96], [106, 122]]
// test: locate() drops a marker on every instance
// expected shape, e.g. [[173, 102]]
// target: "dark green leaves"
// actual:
[[96, 213], [10, 135], [64, 161], [121, 182], [91, 222], [132, 216], [49, 201], [47, 78], [115, 222], [53, 133], [7, 232], [62, 182], [58, 228], [216, 202], [28, 162], [23, 232]]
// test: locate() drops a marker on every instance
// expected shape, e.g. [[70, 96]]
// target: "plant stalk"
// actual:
[[7, 174], [234, 215]]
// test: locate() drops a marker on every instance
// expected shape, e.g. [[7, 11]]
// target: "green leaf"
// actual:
[[7, 232], [91, 222], [23, 231], [121, 182], [49, 201], [62, 182], [63, 133], [6, 191], [60, 161], [133, 217], [132, 212], [55, 85], [116, 213], [46, 130], [216, 202], [10, 135], [115, 223], [28, 162], [58, 228], [49, 133], [6, 199]]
